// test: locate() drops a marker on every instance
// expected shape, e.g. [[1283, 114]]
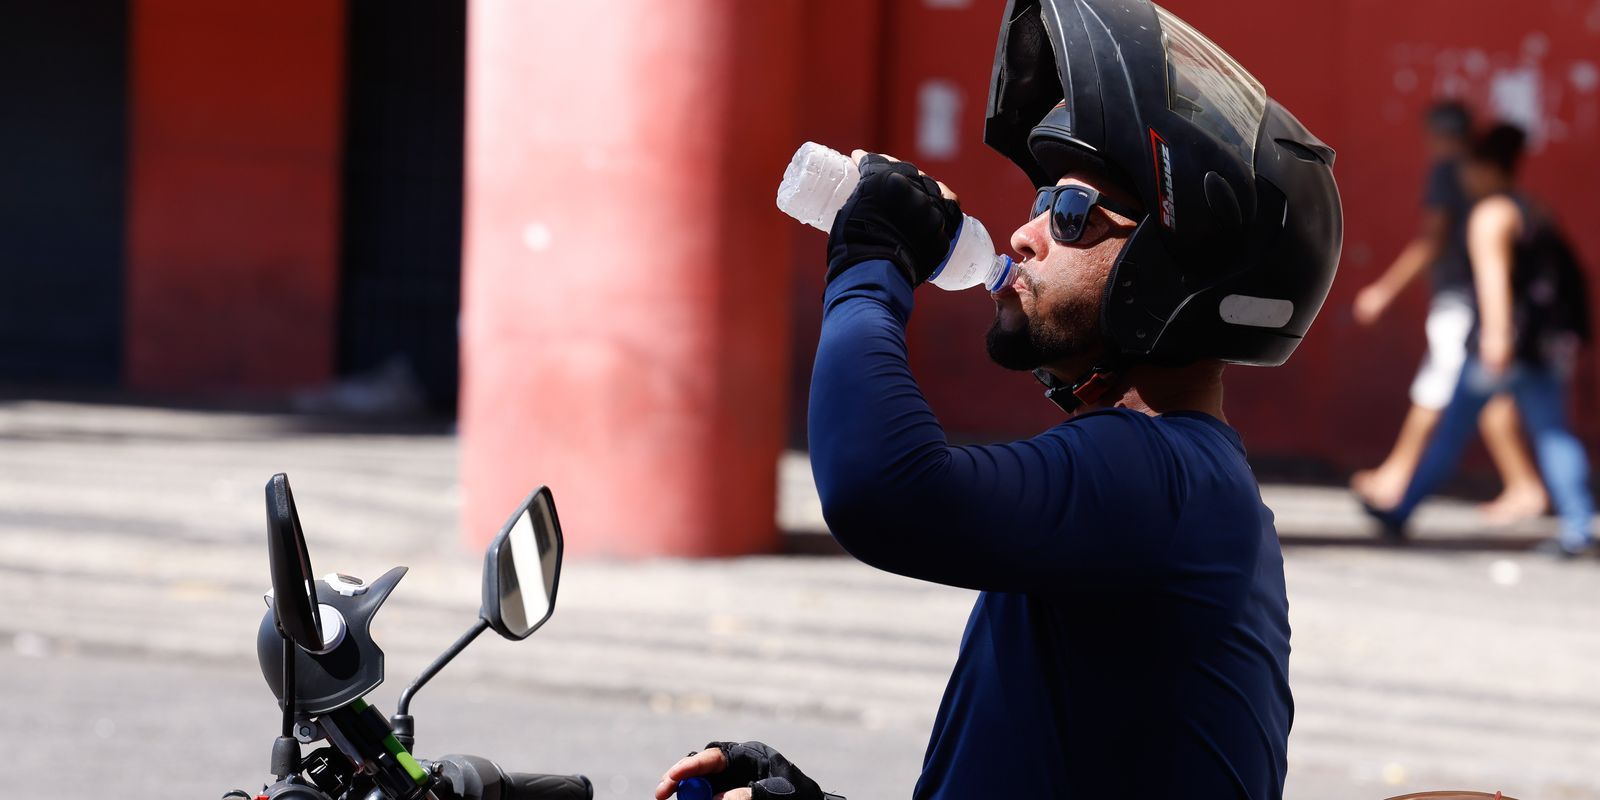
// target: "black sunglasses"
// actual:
[[1069, 206]]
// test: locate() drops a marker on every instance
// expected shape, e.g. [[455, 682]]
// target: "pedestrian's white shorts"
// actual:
[[1450, 320]]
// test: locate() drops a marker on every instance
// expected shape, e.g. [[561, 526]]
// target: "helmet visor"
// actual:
[[1208, 88]]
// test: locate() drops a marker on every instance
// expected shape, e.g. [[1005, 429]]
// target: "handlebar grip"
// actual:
[[464, 777], [533, 786]]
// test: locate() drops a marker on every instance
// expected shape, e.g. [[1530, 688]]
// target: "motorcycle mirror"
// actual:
[[521, 569], [294, 605]]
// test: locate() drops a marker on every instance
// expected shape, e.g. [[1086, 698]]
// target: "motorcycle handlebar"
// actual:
[[476, 778], [533, 786]]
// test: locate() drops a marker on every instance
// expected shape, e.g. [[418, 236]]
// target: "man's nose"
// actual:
[[1031, 241]]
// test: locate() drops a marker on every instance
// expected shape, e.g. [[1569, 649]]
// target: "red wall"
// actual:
[[233, 209], [1359, 73]]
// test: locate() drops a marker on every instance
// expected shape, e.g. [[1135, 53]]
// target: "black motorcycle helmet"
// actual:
[[1242, 224]]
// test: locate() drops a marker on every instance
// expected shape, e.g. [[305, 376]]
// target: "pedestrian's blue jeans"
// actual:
[[1541, 400]]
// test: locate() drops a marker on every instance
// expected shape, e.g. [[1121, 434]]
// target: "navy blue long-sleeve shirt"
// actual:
[[1131, 638]]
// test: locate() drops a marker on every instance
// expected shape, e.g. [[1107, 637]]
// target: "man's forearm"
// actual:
[[871, 431], [1412, 262]]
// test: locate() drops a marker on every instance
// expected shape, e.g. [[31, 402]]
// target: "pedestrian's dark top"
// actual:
[[1452, 270]]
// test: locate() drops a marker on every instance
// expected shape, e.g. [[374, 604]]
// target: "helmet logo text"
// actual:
[[1163, 162]]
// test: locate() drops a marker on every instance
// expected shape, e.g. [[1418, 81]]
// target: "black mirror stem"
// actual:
[[404, 729], [286, 750]]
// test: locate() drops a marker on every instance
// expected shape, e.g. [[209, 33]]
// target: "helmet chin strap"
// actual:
[[1089, 389]]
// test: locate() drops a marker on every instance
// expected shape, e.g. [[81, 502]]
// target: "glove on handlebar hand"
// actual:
[[897, 214], [765, 771]]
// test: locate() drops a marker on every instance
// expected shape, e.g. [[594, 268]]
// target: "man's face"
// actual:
[[1051, 311]]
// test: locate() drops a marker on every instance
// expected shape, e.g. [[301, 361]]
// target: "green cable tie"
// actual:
[[412, 767], [392, 744]]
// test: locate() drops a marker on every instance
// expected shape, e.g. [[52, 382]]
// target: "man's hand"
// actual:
[[695, 765], [1495, 352], [1371, 302], [747, 771], [896, 213]]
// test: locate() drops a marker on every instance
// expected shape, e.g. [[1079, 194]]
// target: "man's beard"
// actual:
[[1069, 331]]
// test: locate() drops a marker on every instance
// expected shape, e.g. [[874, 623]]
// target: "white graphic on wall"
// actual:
[[1553, 98], [938, 115]]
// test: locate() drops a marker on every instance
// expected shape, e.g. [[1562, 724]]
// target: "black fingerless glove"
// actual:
[[894, 214], [765, 771]]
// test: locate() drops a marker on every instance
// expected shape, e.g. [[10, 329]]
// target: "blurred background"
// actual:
[[425, 256]]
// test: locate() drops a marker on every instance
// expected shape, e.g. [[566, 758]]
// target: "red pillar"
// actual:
[[233, 212], [626, 274]]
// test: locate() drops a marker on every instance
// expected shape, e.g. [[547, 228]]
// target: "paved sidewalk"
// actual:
[[1461, 661]]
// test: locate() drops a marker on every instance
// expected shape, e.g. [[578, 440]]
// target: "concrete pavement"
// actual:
[[135, 534]]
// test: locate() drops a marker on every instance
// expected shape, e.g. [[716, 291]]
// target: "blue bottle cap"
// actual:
[[694, 789]]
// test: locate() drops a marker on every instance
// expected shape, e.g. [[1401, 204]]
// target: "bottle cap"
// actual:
[[1002, 273], [694, 789]]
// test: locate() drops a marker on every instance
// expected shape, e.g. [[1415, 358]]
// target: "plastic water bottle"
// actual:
[[819, 181]]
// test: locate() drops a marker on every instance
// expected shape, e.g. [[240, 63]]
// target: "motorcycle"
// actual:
[[318, 657]]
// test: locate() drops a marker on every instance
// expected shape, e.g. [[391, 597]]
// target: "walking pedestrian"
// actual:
[[1532, 316], [1440, 251]]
